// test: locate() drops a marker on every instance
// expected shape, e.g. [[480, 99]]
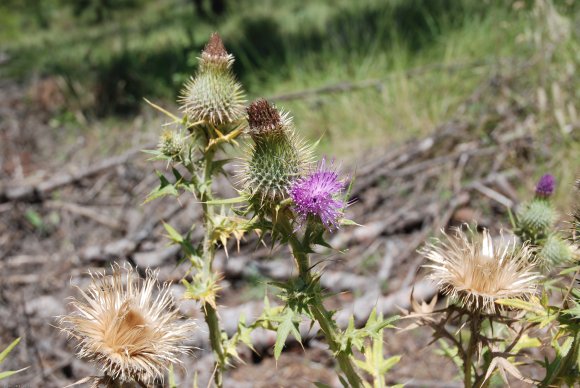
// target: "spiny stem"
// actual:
[[474, 324], [215, 338], [323, 317], [209, 312]]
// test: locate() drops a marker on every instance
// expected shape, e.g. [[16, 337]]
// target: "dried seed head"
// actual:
[[121, 326], [264, 118], [477, 273], [213, 95], [546, 186]]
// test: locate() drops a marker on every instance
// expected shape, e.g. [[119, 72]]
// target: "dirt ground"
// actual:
[[51, 235]]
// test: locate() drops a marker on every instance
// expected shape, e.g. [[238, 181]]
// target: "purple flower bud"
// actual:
[[546, 186], [319, 195]]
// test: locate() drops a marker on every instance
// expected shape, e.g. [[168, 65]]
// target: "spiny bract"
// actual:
[[171, 143], [535, 220], [555, 252], [276, 159], [213, 95]]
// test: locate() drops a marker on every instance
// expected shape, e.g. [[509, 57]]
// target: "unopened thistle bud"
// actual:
[[171, 144], [546, 186], [554, 253], [535, 221], [277, 157], [213, 95]]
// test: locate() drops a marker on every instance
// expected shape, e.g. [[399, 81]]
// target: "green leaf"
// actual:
[[532, 306], [287, 325], [347, 222], [227, 201], [174, 235], [172, 383], [34, 218], [389, 363], [570, 270], [6, 351], [164, 188], [9, 373], [562, 350]]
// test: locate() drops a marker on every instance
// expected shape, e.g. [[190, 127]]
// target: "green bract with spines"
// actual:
[[555, 252], [213, 95], [276, 159], [275, 163], [535, 221], [171, 144]]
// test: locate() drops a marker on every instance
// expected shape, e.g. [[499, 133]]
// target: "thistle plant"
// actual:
[[119, 324], [213, 105], [283, 198], [535, 225], [560, 320], [474, 329]]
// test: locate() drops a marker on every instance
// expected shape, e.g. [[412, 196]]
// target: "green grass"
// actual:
[[430, 55]]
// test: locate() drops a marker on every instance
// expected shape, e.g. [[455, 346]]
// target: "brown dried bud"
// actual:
[[215, 46], [214, 55], [263, 117]]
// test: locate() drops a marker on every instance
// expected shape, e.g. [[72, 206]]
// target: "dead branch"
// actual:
[[38, 192]]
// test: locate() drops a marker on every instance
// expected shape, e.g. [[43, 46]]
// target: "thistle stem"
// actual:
[[323, 317], [210, 314], [474, 324], [215, 339]]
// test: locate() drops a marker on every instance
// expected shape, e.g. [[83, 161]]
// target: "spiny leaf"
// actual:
[[164, 188], [562, 350], [174, 235], [287, 325], [532, 305]]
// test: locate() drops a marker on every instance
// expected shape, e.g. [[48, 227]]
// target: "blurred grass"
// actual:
[[430, 55]]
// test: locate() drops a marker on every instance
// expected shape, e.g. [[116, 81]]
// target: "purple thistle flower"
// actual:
[[546, 186], [319, 195]]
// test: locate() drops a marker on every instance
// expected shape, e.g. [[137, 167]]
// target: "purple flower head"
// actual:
[[319, 194], [546, 186]]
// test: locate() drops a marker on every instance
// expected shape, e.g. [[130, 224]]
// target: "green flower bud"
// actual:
[[171, 144], [555, 252], [277, 158], [213, 95], [535, 221]]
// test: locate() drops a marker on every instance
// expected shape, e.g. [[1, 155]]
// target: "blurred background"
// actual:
[[447, 111]]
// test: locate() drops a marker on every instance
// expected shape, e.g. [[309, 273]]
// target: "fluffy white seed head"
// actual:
[[479, 272], [127, 325]]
